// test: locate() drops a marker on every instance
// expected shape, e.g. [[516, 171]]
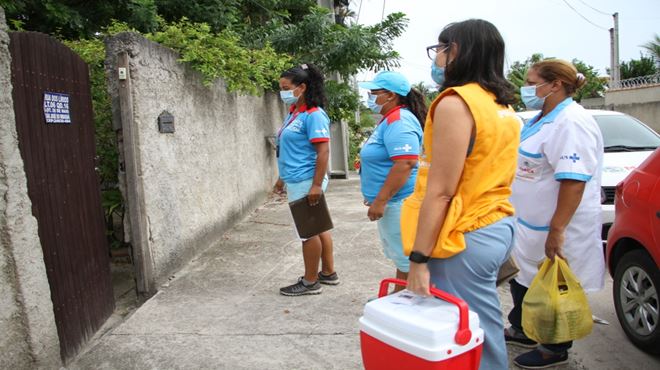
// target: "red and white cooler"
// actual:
[[407, 331]]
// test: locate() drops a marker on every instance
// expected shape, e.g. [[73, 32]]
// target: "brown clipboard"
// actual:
[[310, 220]]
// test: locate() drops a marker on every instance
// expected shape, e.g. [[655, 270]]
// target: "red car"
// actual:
[[633, 254]]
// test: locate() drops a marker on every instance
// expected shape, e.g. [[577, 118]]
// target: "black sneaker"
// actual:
[[516, 338], [536, 360], [300, 288], [331, 279]]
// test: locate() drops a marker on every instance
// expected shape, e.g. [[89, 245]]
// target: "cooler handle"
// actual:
[[463, 335]]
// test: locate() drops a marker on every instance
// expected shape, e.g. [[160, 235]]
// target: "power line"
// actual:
[[583, 17], [599, 11]]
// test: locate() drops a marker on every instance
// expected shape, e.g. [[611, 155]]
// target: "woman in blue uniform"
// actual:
[[303, 151], [389, 158]]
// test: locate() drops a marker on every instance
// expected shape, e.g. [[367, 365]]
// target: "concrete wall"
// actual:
[[642, 103], [192, 185], [28, 335], [593, 103]]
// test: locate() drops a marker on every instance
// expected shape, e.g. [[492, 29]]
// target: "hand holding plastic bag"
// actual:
[[555, 308]]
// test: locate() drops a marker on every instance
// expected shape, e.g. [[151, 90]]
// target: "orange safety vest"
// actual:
[[482, 195]]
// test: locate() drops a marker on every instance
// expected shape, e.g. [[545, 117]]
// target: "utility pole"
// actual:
[[615, 73], [338, 161]]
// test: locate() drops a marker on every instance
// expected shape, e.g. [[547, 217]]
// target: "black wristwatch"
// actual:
[[418, 257]]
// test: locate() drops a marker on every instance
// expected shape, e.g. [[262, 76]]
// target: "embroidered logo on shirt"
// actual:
[[323, 131], [406, 148], [573, 157], [527, 167], [529, 170], [295, 126]]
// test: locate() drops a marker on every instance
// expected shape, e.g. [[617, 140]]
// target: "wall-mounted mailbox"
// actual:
[[166, 123]]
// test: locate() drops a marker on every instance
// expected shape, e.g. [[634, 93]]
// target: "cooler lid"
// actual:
[[423, 326]]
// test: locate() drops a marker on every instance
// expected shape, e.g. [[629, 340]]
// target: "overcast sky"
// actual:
[[549, 27]]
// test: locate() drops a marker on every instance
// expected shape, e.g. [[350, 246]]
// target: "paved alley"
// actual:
[[224, 311]]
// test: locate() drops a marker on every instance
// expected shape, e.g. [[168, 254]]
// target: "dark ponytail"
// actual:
[[416, 102], [312, 77]]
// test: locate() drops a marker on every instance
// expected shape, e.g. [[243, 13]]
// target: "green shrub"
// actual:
[[213, 55], [220, 55]]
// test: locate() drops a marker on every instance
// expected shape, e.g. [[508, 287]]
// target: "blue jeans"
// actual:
[[471, 276], [389, 230]]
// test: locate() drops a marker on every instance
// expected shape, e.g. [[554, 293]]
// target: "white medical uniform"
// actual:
[[565, 144]]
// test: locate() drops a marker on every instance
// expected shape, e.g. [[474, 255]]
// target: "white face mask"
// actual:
[[288, 97], [437, 74], [375, 107], [529, 98]]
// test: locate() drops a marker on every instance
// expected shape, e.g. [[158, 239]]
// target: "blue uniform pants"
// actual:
[[471, 276]]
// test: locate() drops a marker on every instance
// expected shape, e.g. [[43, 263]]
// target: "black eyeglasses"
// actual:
[[433, 50]]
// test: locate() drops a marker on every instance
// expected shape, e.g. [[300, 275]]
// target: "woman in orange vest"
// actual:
[[465, 228]]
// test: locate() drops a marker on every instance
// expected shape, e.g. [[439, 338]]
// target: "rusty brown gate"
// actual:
[[53, 108]]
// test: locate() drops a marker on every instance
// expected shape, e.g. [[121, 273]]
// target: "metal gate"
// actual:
[[53, 108]]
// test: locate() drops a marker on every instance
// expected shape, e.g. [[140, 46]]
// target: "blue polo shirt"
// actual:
[[302, 128], [397, 136]]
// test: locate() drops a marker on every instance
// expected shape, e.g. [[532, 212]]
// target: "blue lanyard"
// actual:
[[533, 126], [287, 124]]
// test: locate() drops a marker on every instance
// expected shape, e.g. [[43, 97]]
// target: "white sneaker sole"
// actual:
[[329, 282], [308, 292]]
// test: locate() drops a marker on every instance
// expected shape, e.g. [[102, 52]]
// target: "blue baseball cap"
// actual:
[[388, 80]]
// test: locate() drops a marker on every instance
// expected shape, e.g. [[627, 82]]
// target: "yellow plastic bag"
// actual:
[[555, 308]]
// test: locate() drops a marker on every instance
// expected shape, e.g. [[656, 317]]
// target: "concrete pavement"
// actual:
[[224, 311]]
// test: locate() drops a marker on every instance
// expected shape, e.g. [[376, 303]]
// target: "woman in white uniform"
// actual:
[[556, 194]]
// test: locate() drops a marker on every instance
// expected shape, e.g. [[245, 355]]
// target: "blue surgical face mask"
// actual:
[[437, 73], [529, 98], [288, 97], [371, 102]]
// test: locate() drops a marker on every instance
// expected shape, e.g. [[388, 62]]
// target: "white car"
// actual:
[[627, 142]]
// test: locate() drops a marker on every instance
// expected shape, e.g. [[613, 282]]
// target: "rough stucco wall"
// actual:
[[593, 103], [215, 168], [28, 336], [642, 103]]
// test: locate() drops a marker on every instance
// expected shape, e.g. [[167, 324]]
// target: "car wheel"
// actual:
[[636, 292]]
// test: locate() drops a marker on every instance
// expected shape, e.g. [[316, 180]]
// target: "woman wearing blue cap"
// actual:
[[389, 158], [302, 159]]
